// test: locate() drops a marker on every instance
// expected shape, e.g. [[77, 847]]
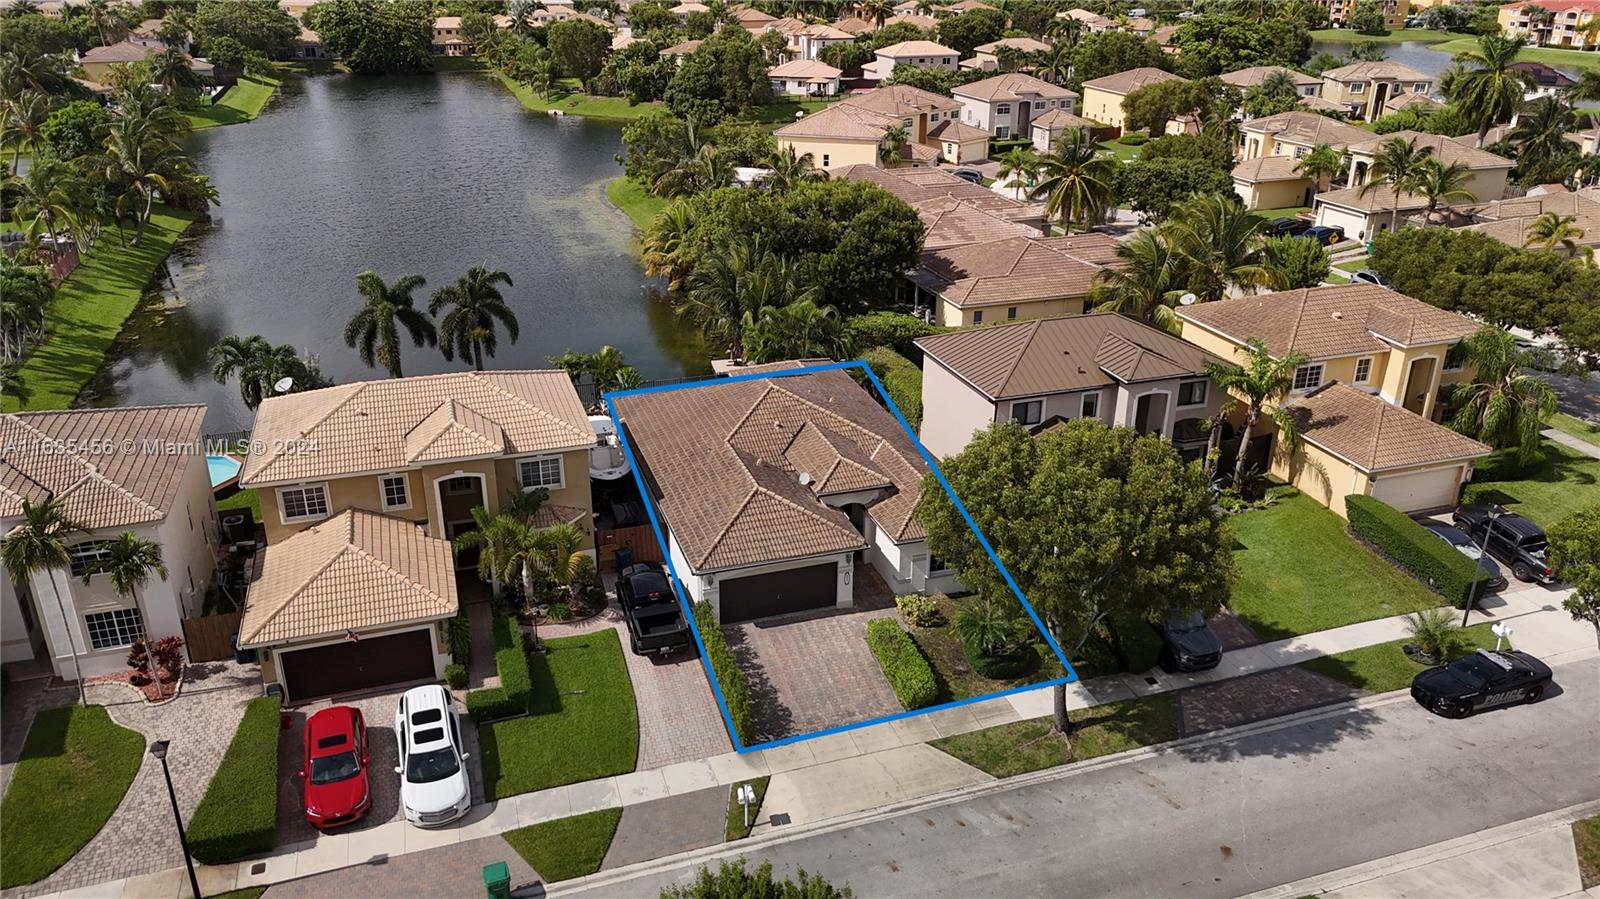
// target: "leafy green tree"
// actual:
[[1490, 92], [727, 74], [1290, 263], [1367, 18], [786, 168], [663, 242], [45, 201], [261, 25], [969, 29], [1575, 560], [1077, 183], [846, 57], [172, 70], [1110, 52], [578, 47], [728, 291], [38, 545], [508, 551], [22, 123], [130, 561], [477, 309], [374, 331], [1149, 283], [1544, 154], [602, 371], [1261, 381], [1152, 187], [1214, 44], [1207, 148], [705, 169], [39, 37], [639, 72], [1502, 405], [373, 37]]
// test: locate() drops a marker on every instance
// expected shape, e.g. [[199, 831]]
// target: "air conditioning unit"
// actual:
[[238, 526]]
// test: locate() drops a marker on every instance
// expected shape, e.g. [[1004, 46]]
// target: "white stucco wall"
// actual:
[[952, 410], [706, 587], [904, 566]]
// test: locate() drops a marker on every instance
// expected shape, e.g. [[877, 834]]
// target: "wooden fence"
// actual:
[[640, 539], [207, 637]]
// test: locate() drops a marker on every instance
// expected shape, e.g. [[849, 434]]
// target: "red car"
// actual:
[[335, 771]]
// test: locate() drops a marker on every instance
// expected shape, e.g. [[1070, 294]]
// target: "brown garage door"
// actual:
[[366, 663], [778, 593]]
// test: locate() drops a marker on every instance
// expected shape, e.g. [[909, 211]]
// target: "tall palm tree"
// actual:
[[1541, 132], [1588, 88], [1218, 243], [704, 169], [47, 198], [38, 545], [1551, 230], [131, 560], [1502, 405], [137, 163], [1020, 164], [785, 169], [374, 332], [475, 305], [1321, 164], [171, 69], [508, 551], [1261, 380], [728, 291], [1490, 92], [259, 366], [875, 11], [1437, 182], [1147, 286], [663, 243], [1076, 181], [1395, 165], [1055, 64], [22, 125]]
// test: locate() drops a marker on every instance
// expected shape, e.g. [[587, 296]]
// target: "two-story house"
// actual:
[[1102, 366], [988, 57], [923, 54], [855, 130], [1367, 399], [136, 469], [447, 37], [1488, 176], [391, 471], [1102, 97], [1254, 76], [810, 41], [804, 78], [1006, 105], [1365, 88]]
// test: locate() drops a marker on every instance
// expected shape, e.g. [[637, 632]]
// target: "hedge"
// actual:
[[895, 330], [902, 380], [1412, 548], [908, 672], [735, 691], [459, 629], [239, 815], [510, 699]]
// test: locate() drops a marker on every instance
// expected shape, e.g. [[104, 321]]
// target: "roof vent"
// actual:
[[805, 479], [1337, 315]]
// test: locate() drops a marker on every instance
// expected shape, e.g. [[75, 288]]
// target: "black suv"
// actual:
[[1480, 681], [650, 607], [1287, 226], [1513, 540], [1187, 643]]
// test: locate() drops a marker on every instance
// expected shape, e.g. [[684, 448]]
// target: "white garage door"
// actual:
[[1419, 491]]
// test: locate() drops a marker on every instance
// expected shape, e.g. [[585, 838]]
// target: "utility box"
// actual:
[[497, 880]]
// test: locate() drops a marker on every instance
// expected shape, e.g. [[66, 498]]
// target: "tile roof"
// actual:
[[1087, 17], [1269, 168], [1444, 149], [853, 25], [1010, 270], [729, 486], [685, 48], [915, 48], [1012, 86], [1255, 75], [926, 23], [951, 223], [841, 121], [1381, 70], [752, 16], [355, 571], [900, 100], [1406, 101], [1023, 44], [398, 423], [810, 69], [1316, 103], [109, 467], [1055, 355], [823, 32], [1300, 127], [1379, 199], [1060, 120], [1130, 81], [1324, 322], [1508, 220], [122, 51], [1373, 434], [952, 130]]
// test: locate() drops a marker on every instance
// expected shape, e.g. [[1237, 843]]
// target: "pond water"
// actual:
[[1419, 55], [426, 175]]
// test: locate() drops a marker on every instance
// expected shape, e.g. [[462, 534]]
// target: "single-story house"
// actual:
[[1047, 128], [960, 143]]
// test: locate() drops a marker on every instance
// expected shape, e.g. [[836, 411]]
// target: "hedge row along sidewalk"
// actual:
[[1415, 550], [239, 814], [735, 691], [90, 308]]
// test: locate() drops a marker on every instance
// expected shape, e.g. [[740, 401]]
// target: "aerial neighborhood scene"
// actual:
[[799, 448]]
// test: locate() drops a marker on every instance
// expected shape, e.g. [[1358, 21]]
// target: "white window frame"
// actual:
[[1038, 412], [1001, 132], [118, 623], [283, 511], [1002, 109], [1419, 88], [383, 491], [1200, 384], [1089, 406], [561, 473], [472, 479], [1358, 87], [1309, 383], [88, 557], [1362, 377]]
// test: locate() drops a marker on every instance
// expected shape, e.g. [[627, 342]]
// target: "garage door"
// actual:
[[1419, 491], [361, 665], [779, 593]]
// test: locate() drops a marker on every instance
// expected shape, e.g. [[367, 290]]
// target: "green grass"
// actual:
[[1123, 152], [1336, 278], [242, 102], [781, 112], [1564, 482], [1299, 572], [1575, 427], [583, 722], [566, 847], [244, 499], [578, 104], [632, 198], [737, 829], [75, 766], [1423, 35], [1550, 56], [89, 309], [1383, 667], [954, 674], [1586, 834], [1352, 265], [1281, 212], [242, 893], [1024, 746]]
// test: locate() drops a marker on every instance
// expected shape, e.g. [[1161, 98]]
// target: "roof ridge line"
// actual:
[[283, 452], [290, 595], [1032, 329], [480, 377]]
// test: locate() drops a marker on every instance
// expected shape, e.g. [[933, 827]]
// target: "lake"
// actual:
[[428, 175]]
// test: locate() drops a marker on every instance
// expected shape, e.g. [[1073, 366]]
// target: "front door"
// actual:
[[1024, 116], [1419, 384]]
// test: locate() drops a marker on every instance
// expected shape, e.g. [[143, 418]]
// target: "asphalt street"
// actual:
[[1224, 818]]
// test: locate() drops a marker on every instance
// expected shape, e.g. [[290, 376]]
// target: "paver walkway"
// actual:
[[1269, 694], [447, 871], [480, 618], [669, 826]]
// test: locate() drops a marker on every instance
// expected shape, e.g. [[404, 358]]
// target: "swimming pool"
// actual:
[[222, 469]]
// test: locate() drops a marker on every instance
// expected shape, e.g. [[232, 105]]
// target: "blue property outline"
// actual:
[[688, 609]]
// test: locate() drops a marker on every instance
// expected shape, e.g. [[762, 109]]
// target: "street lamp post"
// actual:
[[1477, 568], [159, 750]]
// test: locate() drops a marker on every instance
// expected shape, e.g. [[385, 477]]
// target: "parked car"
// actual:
[[971, 175], [1483, 680], [1327, 235], [1287, 226], [1368, 276], [335, 768], [1513, 540], [1465, 545], [650, 607], [1187, 643], [433, 777]]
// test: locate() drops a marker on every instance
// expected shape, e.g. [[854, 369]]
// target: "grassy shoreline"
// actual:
[[615, 108], [1553, 56], [634, 201], [1399, 35], [242, 103]]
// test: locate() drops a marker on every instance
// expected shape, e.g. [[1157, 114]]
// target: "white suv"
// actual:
[[434, 788]]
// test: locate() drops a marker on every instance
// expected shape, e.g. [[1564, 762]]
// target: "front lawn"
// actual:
[[737, 828], [1299, 572], [75, 766], [634, 199], [1383, 667], [577, 103], [1575, 427], [1023, 746], [566, 847], [1123, 152], [1586, 834], [954, 674], [241, 103], [1281, 212], [582, 724], [1563, 483]]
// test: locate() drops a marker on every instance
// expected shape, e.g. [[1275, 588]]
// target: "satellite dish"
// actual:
[[283, 385], [1188, 299], [799, 114]]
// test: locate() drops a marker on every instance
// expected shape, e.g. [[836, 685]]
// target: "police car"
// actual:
[[1483, 680]]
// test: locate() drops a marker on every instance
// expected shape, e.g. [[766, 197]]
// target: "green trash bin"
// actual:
[[497, 880]]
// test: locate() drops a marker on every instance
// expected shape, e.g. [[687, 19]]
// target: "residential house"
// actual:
[[953, 211], [1047, 128], [148, 34], [1272, 182], [1166, 38], [684, 10], [1421, 103], [1394, 12], [804, 78], [961, 6], [309, 45], [1489, 173], [923, 54], [783, 484], [139, 469], [1363, 89], [987, 56], [1006, 105], [682, 50], [447, 37], [1548, 81], [1092, 21], [1103, 366], [1244, 79], [959, 143], [1012, 278], [1294, 133], [96, 62], [1554, 23], [855, 131], [753, 20], [855, 26], [1366, 400], [1508, 221], [926, 23], [809, 42], [1365, 215], [1102, 97]]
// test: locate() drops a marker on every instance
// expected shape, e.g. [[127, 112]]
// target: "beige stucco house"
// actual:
[[987, 56], [1272, 182], [1489, 173], [1554, 23], [1102, 97], [1244, 79], [804, 78], [1294, 133], [1006, 105], [1046, 129], [1365, 88], [854, 130], [923, 54], [96, 62], [1012, 278]]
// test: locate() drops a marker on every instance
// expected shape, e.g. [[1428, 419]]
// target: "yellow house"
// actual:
[[1294, 133], [1102, 97], [1272, 182], [1012, 279], [1488, 173], [1568, 24], [1367, 398], [855, 130], [1364, 89], [1394, 11]]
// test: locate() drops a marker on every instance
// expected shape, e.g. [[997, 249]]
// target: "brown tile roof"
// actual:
[[729, 486], [804, 68], [1054, 355], [398, 423], [1373, 434], [1315, 103], [109, 467], [1508, 220], [355, 571], [1012, 86], [122, 51], [1011, 270], [1444, 149], [1382, 70], [1268, 168], [1379, 199], [827, 33], [952, 223], [841, 121], [915, 48], [1024, 44], [1165, 34], [1130, 81], [684, 48], [1059, 120], [926, 23], [752, 16], [952, 130], [1406, 101], [853, 25], [1255, 75], [1308, 128], [900, 100], [938, 197], [1325, 322]]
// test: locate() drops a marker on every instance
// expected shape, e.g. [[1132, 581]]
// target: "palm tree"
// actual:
[[1395, 165], [172, 70], [1588, 88], [137, 162], [259, 366], [1541, 132], [475, 305], [1321, 164], [23, 124], [1437, 182], [131, 560], [374, 332], [1218, 243], [1551, 230], [704, 169], [38, 545], [785, 169], [1490, 92], [46, 198], [895, 147], [1147, 286], [508, 551], [663, 243], [728, 291], [605, 369], [560, 556], [875, 11], [1502, 405], [800, 330], [1055, 64], [1076, 181], [1021, 165], [1066, 32], [1261, 380]]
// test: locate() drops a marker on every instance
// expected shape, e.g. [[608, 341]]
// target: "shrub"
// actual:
[[1435, 635], [1412, 548], [1013, 662], [919, 610], [239, 814], [510, 699], [908, 672], [735, 692], [456, 676], [1133, 138], [735, 879], [459, 630], [902, 380], [895, 330], [1137, 645]]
